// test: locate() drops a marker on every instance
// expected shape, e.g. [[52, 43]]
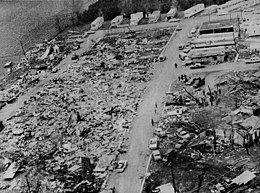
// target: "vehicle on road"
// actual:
[[187, 61], [153, 144], [181, 46], [120, 166], [196, 66], [162, 58], [156, 155]]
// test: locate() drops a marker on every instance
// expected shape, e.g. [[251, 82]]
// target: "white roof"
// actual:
[[243, 178], [166, 188]]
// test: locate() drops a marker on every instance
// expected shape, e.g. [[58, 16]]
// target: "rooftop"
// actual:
[[219, 24]]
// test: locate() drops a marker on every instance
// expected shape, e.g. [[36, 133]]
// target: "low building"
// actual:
[[172, 13], [136, 18], [229, 6], [214, 40], [154, 17], [209, 10], [97, 23], [194, 10], [221, 26], [117, 20], [251, 23], [207, 54]]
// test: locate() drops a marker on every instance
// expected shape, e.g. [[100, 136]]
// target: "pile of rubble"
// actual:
[[213, 146], [68, 135], [41, 58]]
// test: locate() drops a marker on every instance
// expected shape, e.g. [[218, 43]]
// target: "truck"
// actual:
[[97, 23]]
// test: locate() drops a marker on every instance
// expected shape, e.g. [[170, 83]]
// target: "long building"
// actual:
[[236, 4], [222, 26], [229, 6], [207, 54], [194, 10], [207, 41]]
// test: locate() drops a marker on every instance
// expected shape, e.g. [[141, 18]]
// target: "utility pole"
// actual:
[[23, 49], [73, 4], [173, 179]]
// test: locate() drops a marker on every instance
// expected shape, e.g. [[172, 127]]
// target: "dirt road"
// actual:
[[137, 156]]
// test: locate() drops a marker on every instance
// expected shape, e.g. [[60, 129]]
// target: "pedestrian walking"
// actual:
[[152, 122], [156, 105], [176, 65]]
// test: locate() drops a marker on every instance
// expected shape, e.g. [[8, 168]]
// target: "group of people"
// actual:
[[183, 78]]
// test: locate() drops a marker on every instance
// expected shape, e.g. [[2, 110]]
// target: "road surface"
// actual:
[[142, 130]]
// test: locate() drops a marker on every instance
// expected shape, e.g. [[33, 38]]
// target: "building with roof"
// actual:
[[214, 40], [117, 20], [229, 6], [194, 10], [207, 54], [154, 17], [136, 18], [172, 13], [222, 26], [209, 10]]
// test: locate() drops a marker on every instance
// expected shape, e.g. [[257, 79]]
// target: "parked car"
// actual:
[[181, 46], [159, 132], [156, 155], [153, 144], [120, 166], [196, 66], [186, 50], [161, 58], [179, 28]]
